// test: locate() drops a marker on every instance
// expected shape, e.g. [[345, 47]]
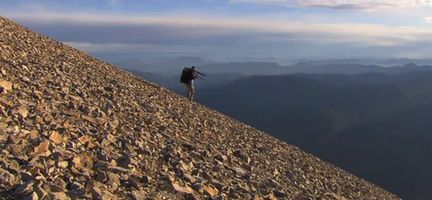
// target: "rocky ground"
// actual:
[[74, 127]]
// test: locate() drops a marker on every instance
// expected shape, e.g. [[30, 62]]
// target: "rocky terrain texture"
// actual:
[[74, 127]]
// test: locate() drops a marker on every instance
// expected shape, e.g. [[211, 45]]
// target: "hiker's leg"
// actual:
[[189, 93], [192, 93], [192, 90], [187, 87]]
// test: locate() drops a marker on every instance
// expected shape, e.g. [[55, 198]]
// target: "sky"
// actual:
[[235, 29]]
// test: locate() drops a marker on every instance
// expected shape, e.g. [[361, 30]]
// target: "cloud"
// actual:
[[187, 29], [428, 19], [122, 47], [343, 4], [223, 35]]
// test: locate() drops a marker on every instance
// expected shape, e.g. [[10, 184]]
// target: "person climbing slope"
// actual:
[[187, 77]]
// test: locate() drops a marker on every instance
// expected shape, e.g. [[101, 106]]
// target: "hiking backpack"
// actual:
[[186, 76]]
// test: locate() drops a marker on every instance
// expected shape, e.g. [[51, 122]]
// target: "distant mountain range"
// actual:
[[370, 61], [175, 59], [171, 67], [163, 67], [223, 73]]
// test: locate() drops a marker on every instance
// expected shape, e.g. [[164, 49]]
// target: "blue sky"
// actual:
[[235, 29]]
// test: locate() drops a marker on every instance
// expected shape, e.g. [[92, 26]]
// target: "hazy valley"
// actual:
[[369, 119]]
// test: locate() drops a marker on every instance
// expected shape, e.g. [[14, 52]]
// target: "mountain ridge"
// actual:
[[76, 127]]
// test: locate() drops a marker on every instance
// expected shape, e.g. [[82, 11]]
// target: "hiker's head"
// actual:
[[193, 67]]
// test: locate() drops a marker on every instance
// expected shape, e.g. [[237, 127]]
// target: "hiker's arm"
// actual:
[[200, 73]]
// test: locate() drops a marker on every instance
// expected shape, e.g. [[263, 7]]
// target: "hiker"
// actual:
[[187, 77]]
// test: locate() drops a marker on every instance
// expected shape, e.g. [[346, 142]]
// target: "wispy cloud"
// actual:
[[222, 27], [137, 48], [241, 36], [428, 19], [343, 4]]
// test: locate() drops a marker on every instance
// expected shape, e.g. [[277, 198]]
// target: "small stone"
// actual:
[[91, 145], [182, 189], [90, 119], [101, 176], [197, 187], [23, 111], [186, 167], [239, 170], [5, 86], [84, 139], [55, 137], [189, 178], [210, 191], [82, 161], [114, 123], [58, 185], [14, 139], [3, 137], [34, 134], [221, 158], [279, 194], [42, 147], [63, 164], [118, 169], [75, 98]]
